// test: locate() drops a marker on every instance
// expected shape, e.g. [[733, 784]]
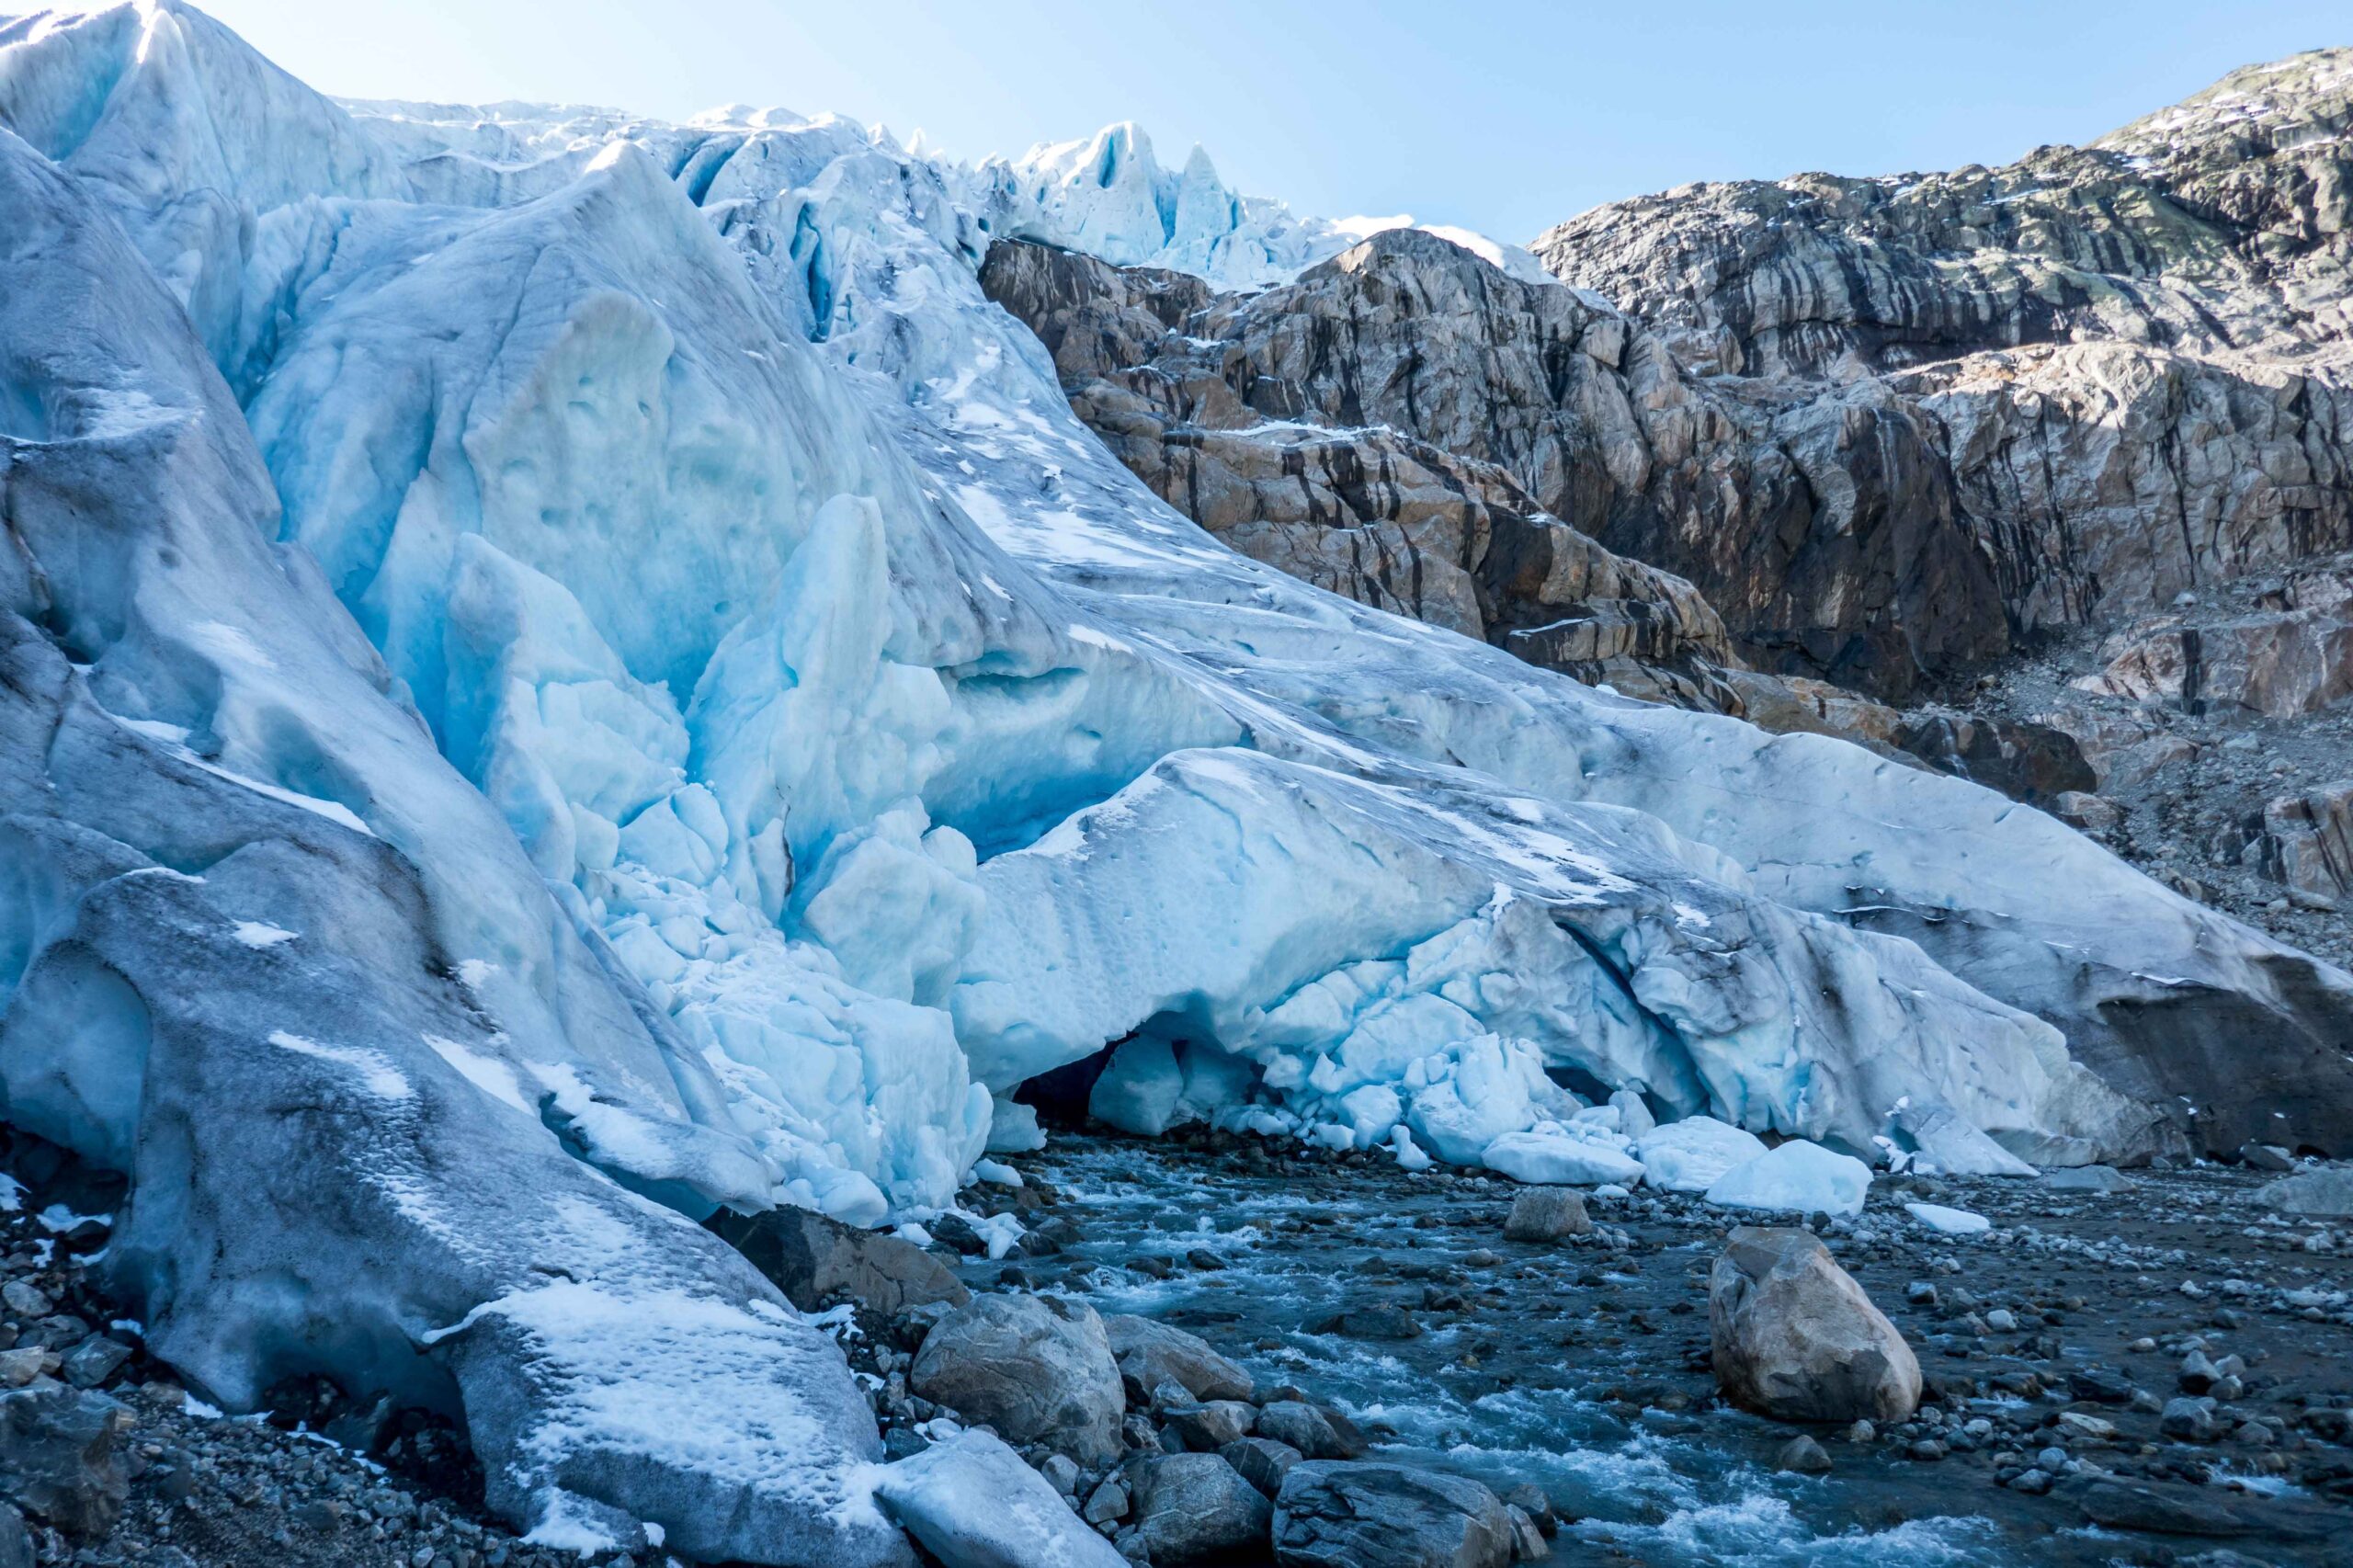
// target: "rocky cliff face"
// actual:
[[1890, 429], [1376, 428], [1824, 529], [1408, 425], [2117, 372]]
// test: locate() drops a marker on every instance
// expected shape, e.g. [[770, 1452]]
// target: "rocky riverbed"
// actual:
[[2149, 1368], [2052, 1346]]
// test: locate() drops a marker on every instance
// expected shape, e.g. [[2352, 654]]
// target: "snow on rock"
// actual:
[[1692, 1154], [1799, 1177], [974, 1503], [1949, 1221]]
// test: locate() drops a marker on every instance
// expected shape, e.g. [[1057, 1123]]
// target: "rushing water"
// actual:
[[1581, 1368]]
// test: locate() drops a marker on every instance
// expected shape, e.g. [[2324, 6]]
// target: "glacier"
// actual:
[[701, 724], [1109, 196]]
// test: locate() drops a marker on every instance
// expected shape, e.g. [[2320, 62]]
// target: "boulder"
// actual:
[[2270, 1157], [1387, 1515], [2325, 1194], [1194, 1508], [59, 1456], [1793, 1336], [1037, 1368], [1207, 1427], [1304, 1427], [973, 1504], [1149, 1354], [94, 1360], [1262, 1461], [15, 1540], [1802, 1455], [1546, 1214], [817, 1261], [2308, 840]]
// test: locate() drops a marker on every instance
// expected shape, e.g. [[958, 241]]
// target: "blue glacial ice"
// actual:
[[710, 723]]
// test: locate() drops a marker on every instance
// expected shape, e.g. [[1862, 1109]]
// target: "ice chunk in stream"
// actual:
[[1409, 1155], [1150, 1086], [1692, 1154], [1478, 1090], [1949, 1221], [1013, 1127], [1634, 1118], [1551, 1155], [1798, 1177]]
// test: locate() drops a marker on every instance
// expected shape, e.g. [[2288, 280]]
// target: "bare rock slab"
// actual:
[[817, 1261], [1384, 1515]]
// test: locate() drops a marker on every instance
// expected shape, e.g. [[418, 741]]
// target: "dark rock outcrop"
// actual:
[[1889, 428], [817, 1261], [61, 1454], [1400, 427], [2108, 374], [1385, 1516]]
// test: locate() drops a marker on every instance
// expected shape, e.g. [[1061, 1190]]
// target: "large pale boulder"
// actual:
[[1037, 1368], [1795, 1337], [2326, 1193]]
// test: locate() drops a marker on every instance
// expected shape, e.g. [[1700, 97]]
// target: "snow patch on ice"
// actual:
[[376, 1074]]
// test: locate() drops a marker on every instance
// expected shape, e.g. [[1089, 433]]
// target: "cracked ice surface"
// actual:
[[564, 670]]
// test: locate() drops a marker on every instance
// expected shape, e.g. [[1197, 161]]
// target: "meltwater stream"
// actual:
[[1583, 1367]]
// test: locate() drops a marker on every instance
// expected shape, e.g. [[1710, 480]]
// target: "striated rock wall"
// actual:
[[1408, 388], [1311, 428], [2117, 372]]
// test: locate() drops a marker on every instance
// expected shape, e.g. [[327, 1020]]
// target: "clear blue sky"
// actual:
[[1504, 117]]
